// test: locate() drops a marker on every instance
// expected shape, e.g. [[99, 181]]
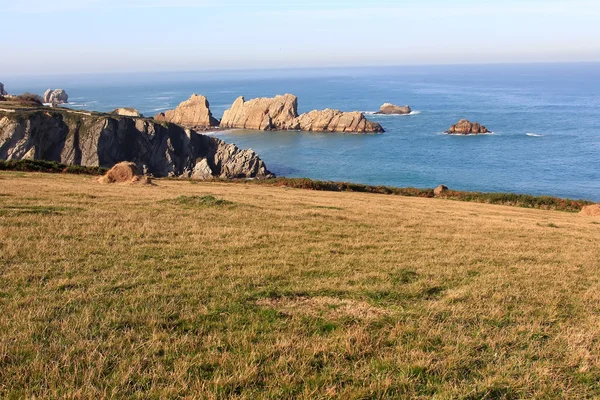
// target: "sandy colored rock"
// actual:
[[55, 96], [440, 190], [193, 113], [391, 109], [591, 211], [262, 114], [281, 113], [465, 127], [335, 121], [127, 112]]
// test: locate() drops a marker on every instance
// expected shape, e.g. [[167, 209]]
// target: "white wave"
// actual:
[[161, 109], [534, 134], [391, 115]]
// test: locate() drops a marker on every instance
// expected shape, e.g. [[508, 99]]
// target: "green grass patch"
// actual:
[[200, 201], [49, 167]]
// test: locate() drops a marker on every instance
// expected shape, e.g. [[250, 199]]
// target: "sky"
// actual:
[[105, 36]]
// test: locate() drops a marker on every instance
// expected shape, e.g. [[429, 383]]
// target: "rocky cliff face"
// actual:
[[262, 114], [2, 91], [465, 127], [79, 138], [56, 96], [281, 113], [193, 113], [391, 109], [335, 121]]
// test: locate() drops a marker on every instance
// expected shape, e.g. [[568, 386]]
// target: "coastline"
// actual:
[[505, 199]]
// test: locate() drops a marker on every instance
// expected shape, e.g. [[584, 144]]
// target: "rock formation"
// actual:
[[335, 121], [391, 109], [591, 211], [440, 190], [281, 113], [77, 138], [56, 96], [262, 114], [465, 127], [127, 112], [2, 91], [193, 113]]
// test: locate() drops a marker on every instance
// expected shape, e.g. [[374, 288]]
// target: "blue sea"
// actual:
[[545, 119]]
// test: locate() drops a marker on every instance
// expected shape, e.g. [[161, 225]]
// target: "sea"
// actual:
[[545, 120]]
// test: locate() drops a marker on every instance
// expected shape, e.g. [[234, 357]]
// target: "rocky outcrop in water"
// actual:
[[55, 96], [281, 113], [263, 114], [335, 121], [193, 113], [127, 112], [391, 109], [465, 127], [2, 91], [80, 138]]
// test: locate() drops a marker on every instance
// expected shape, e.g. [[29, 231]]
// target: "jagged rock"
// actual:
[[465, 127], [263, 114], [56, 96], [281, 113], [440, 190], [78, 138], [335, 121], [192, 113], [127, 112], [2, 91], [202, 170], [391, 109], [591, 211]]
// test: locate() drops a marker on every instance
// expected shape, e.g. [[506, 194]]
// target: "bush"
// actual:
[[49, 166], [29, 98]]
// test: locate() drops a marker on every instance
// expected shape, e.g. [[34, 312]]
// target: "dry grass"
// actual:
[[263, 292]]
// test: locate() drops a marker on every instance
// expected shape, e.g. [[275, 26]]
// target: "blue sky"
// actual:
[[90, 36]]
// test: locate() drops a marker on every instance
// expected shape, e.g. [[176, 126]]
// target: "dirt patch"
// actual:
[[124, 172], [591, 211], [324, 306]]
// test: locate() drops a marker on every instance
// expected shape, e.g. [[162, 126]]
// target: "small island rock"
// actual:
[[56, 96], [193, 113], [465, 127], [391, 109], [335, 121]]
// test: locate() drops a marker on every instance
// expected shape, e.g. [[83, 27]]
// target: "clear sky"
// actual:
[[90, 36]]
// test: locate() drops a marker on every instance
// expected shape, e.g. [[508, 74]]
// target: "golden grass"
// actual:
[[163, 291]]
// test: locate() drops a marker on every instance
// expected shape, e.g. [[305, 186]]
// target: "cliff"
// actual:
[[93, 139]]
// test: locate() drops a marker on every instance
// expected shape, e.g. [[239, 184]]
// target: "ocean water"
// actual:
[[545, 119]]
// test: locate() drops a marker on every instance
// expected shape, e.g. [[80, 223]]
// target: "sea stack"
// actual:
[[265, 114], [56, 96], [391, 109], [193, 113], [2, 91], [281, 113], [465, 127]]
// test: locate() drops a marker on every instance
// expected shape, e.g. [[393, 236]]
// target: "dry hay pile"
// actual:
[[591, 211], [124, 172]]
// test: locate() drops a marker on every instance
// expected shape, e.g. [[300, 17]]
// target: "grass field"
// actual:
[[216, 290]]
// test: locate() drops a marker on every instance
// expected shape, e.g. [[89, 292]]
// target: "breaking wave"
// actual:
[[534, 134]]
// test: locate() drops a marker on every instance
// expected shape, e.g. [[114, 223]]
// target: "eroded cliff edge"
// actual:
[[94, 139]]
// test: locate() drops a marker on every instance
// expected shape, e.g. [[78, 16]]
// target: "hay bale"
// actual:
[[591, 211], [124, 172]]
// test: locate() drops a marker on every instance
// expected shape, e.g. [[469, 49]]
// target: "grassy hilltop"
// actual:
[[221, 290]]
